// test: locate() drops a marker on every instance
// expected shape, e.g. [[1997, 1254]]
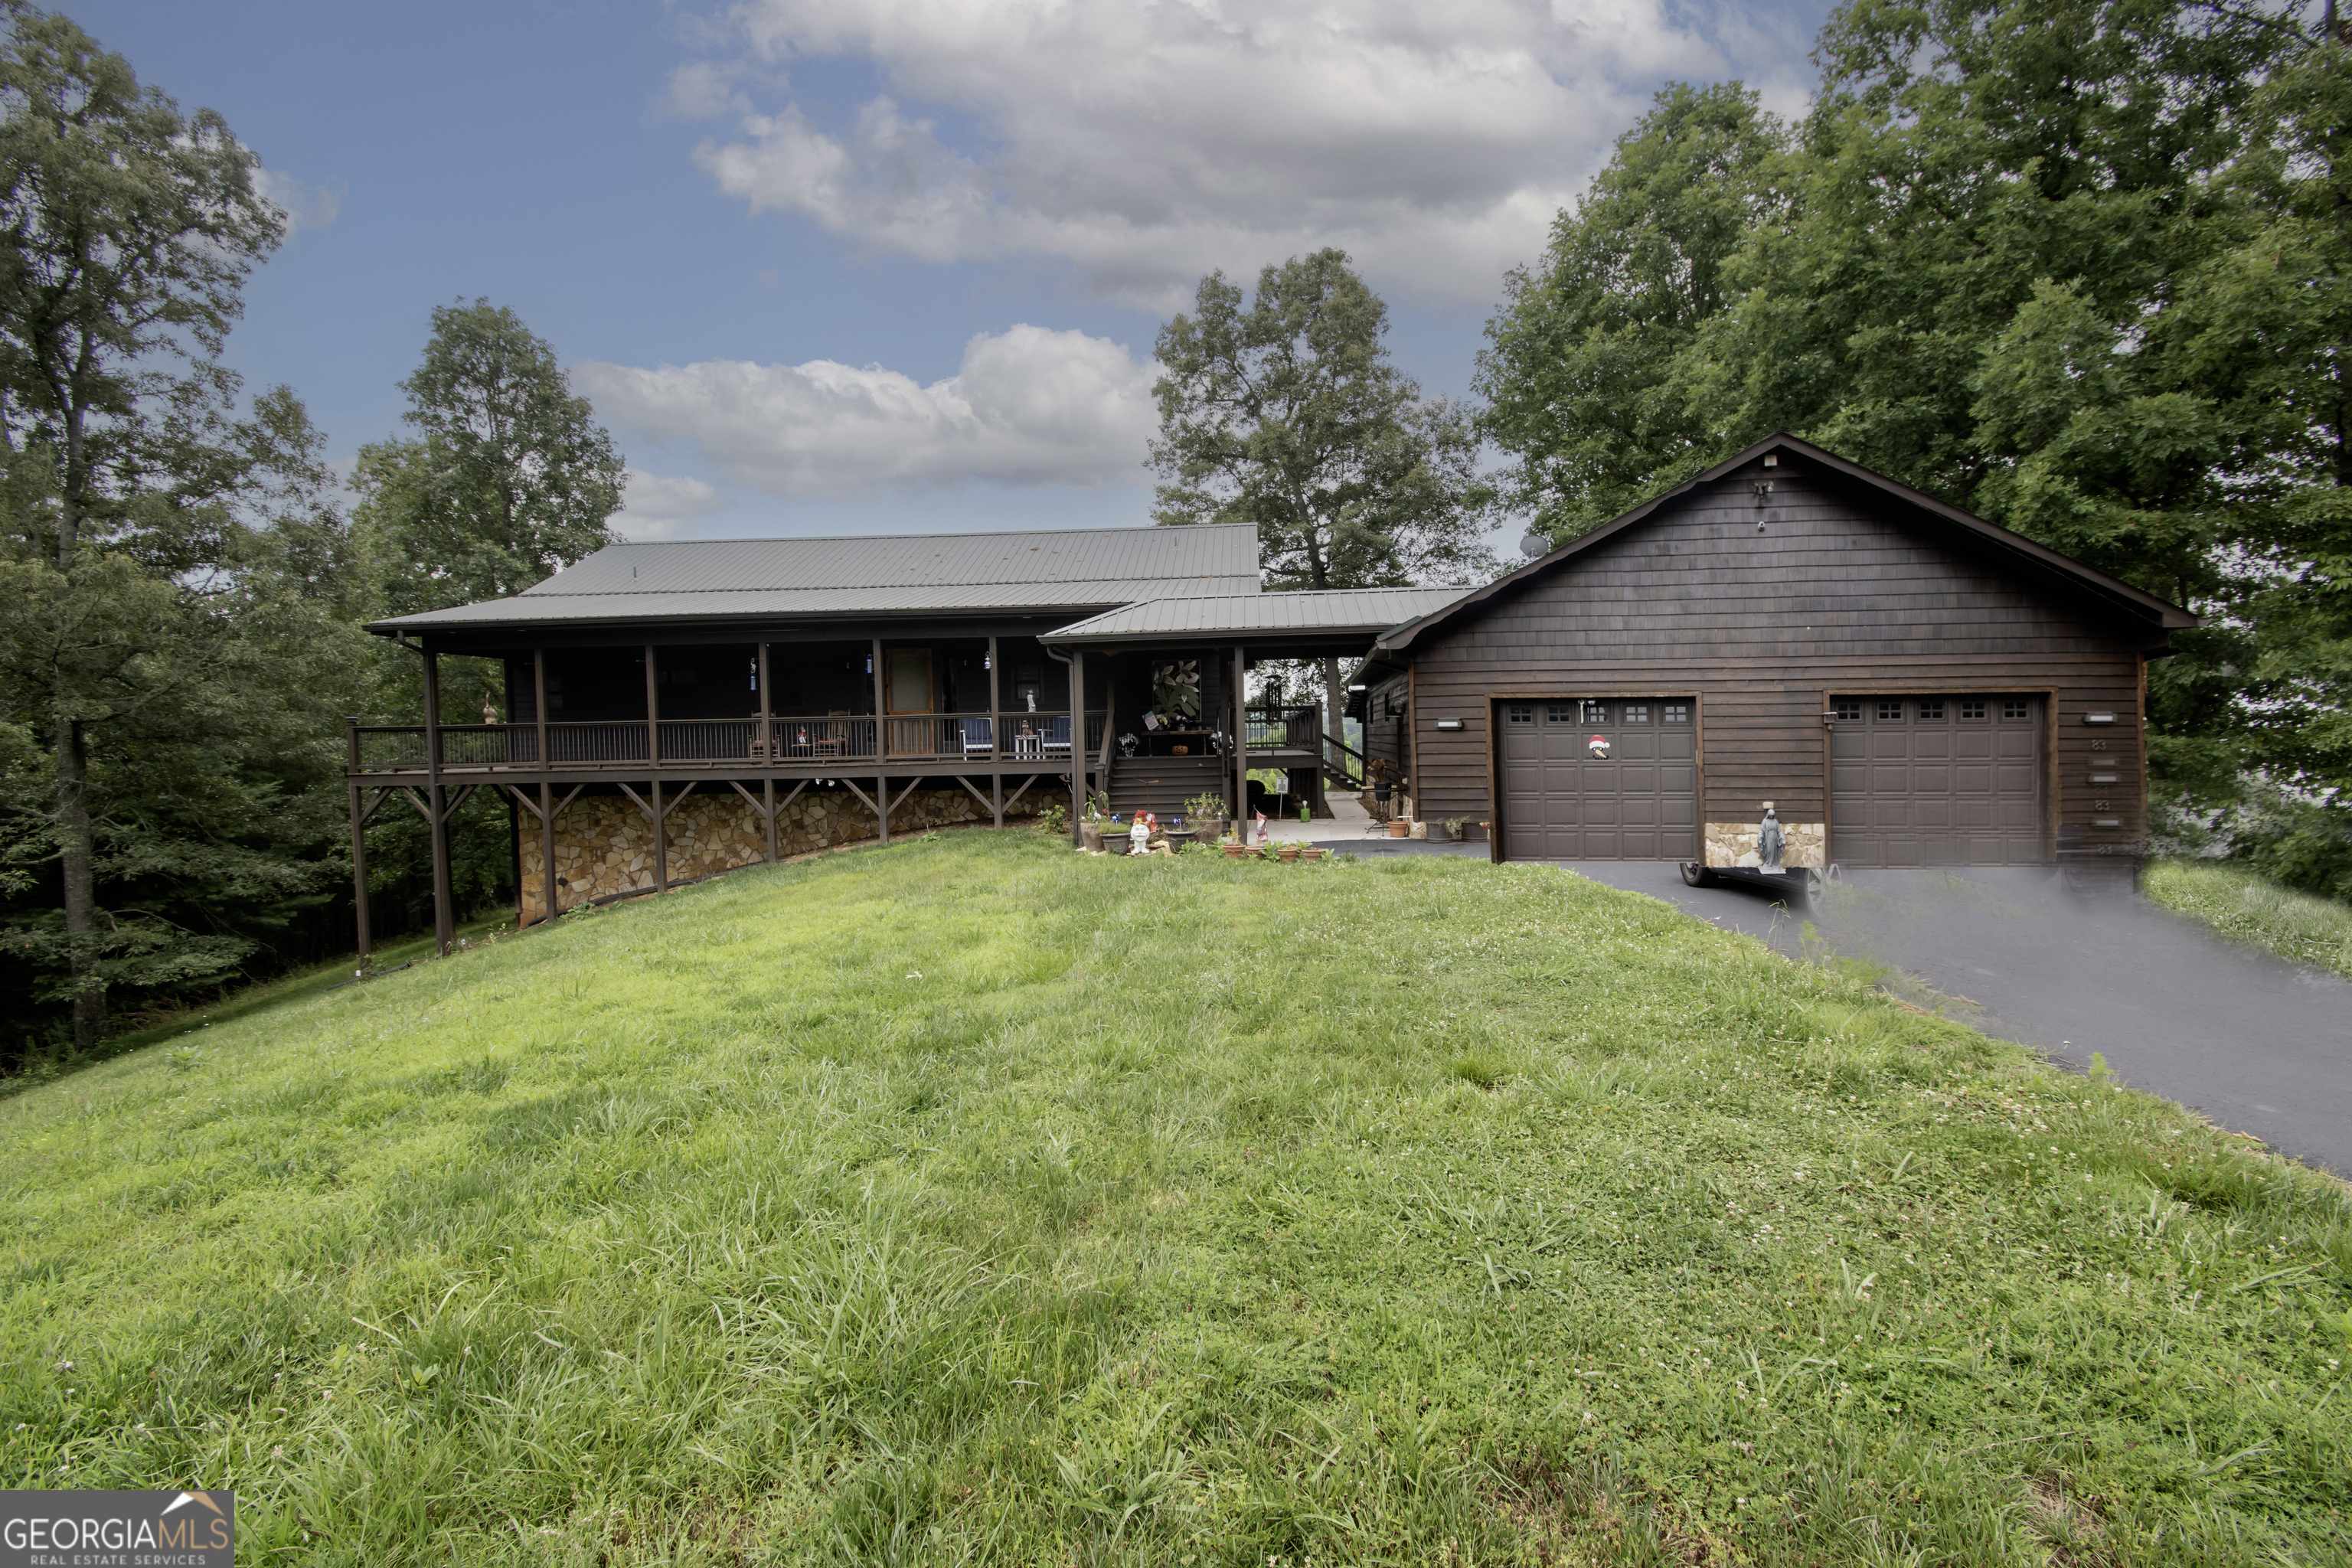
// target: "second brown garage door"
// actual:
[[1935, 781], [1565, 799]]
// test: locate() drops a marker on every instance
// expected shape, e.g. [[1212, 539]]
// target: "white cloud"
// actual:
[[1028, 405], [305, 205], [1146, 141], [658, 506]]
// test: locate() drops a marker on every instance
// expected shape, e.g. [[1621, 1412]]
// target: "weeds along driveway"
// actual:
[[2258, 1044]]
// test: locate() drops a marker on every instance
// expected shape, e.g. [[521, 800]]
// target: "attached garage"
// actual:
[[1600, 778], [1873, 678], [1918, 780]]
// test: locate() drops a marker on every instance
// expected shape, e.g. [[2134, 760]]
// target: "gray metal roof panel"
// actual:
[[922, 560], [731, 579], [1369, 610], [548, 609]]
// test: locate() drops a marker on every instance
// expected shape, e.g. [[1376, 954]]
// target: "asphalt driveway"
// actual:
[[2258, 1044]]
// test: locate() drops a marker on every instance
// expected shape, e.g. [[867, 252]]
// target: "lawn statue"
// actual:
[[1771, 842]]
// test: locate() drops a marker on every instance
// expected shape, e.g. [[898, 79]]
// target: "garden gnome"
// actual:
[[1771, 842], [1138, 834]]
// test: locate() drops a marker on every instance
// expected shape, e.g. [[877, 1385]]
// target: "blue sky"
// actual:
[[867, 266]]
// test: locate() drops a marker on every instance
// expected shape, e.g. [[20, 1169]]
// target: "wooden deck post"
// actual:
[[995, 733], [881, 746], [359, 845], [445, 919], [1241, 746], [882, 807], [767, 753], [546, 790], [1077, 740], [661, 841], [652, 712]]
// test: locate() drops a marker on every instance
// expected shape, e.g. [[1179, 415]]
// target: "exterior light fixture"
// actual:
[[2098, 717], [1449, 725]]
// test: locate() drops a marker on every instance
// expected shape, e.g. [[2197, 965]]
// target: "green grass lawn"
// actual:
[[972, 1200], [2242, 905]]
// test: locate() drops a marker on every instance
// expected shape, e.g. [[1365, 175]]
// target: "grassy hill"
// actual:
[[971, 1200]]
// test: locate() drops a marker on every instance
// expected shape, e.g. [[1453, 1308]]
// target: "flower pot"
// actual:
[[1312, 853], [1235, 850], [1398, 828], [1090, 836], [1287, 853]]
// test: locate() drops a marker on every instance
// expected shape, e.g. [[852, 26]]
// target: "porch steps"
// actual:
[[1162, 785]]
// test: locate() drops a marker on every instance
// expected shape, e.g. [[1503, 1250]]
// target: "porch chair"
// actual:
[[1057, 736], [979, 738]]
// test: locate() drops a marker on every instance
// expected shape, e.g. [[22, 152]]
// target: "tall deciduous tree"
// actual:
[[508, 480], [1581, 371], [127, 229], [2077, 264], [1286, 412]]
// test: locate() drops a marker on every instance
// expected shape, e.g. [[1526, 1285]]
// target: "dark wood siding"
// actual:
[[1385, 707], [1835, 594]]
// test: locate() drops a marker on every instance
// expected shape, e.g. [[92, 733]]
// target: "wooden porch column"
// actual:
[[882, 807], [1077, 740], [445, 919], [881, 720], [359, 845], [767, 753], [546, 790], [1241, 746], [995, 734], [652, 712]]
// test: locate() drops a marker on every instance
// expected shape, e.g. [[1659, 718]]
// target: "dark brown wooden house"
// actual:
[[675, 710], [1905, 684]]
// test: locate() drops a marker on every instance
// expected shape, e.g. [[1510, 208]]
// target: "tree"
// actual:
[[1580, 373], [2077, 266], [509, 480], [1285, 412], [126, 232]]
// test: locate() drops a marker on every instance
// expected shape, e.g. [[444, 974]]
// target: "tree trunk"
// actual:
[[75, 855], [1335, 702]]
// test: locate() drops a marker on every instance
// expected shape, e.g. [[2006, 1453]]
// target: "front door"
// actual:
[[907, 689]]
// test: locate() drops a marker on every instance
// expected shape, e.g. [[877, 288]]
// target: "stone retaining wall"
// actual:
[[605, 843]]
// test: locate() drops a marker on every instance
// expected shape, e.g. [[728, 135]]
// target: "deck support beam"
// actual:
[[1078, 742], [661, 841], [1241, 745], [546, 790], [437, 819], [359, 845]]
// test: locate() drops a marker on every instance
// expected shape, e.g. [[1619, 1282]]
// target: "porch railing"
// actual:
[[1044, 738], [1292, 729]]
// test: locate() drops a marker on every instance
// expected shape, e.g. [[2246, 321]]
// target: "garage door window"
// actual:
[[2014, 708], [1931, 711], [1890, 712], [1972, 709], [1675, 713], [1637, 714], [1519, 712], [1594, 713]]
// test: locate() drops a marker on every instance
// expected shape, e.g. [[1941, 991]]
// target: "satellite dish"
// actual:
[[1535, 545]]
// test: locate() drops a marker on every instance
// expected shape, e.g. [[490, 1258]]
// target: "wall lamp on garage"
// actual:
[[2098, 717], [1449, 725], [1359, 686]]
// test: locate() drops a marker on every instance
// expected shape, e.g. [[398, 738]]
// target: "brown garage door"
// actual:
[[1563, 800], [1935, 781]]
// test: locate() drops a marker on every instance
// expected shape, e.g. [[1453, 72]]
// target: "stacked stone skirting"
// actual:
[[605, 843], [1805, 843]]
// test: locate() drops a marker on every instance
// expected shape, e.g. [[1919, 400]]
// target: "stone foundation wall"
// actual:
[[605, 845], [1734, 844]]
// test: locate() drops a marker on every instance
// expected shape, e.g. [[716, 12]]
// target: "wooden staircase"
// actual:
[[1162, 785]]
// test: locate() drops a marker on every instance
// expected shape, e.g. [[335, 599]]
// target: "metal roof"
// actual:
[[875, 575], [1331, 612]]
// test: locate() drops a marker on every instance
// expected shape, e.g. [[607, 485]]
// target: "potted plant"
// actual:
[[1235, 849], [1398, 828], [1206, 813], [1090, 826], [1287, 853], [1377, 770], [1456, 827]]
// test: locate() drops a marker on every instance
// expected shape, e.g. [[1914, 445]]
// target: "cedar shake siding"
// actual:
[[1844, 592]]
